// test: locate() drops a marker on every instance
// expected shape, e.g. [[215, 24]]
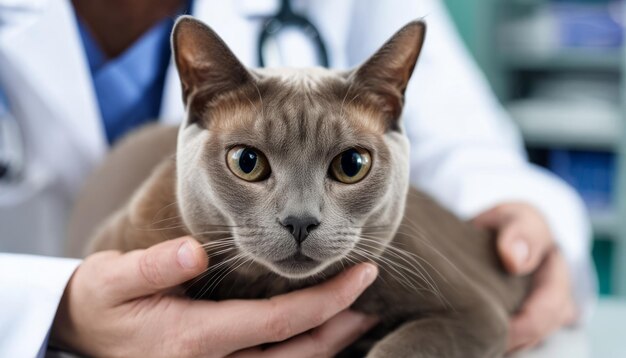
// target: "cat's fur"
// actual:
[[441, 291]]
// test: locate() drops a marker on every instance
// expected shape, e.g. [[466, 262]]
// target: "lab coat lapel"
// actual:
[[48, 52]]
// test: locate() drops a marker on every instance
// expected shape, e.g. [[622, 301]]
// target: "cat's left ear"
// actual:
[[383, 78]]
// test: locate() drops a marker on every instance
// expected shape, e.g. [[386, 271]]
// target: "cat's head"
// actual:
[[303, 167]]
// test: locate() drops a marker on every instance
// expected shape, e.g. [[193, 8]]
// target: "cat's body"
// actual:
[[441, 291], [458, 259]]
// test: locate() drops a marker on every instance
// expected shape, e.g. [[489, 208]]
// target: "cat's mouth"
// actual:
[[297, 264]]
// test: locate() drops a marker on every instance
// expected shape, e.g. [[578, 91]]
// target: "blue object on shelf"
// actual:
[[590, 173], [595, 24]]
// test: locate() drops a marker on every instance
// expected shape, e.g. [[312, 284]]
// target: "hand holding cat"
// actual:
[[116, 305], [525, 244]]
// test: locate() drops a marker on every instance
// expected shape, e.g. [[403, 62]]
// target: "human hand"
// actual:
[[525, 244], [116, 305]]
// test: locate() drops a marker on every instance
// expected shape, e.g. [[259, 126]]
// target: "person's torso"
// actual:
[[46, 76]]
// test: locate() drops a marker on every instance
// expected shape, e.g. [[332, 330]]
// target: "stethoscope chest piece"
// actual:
[[11, 144]]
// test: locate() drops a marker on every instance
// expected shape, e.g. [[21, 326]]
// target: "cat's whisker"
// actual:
[[372, 227], [420, 236], [233, 268], [151, 229], [354, 261], [260, 99], [395, 250], [411, 260], [392, 265], [343, 101], [163, 208], [416, 259], [391, 270], [176, 217], [220, 252], [212, 232], [212, 269], [376, 258], [216, 245]]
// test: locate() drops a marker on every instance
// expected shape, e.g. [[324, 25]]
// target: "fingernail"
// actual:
[[186, 257], [368, 275], [521, 251]]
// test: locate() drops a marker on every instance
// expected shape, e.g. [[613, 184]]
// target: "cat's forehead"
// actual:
[[302, 78], [311, 103]]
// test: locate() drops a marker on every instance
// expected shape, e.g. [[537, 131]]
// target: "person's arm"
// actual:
[[467, 153], [32, 287]]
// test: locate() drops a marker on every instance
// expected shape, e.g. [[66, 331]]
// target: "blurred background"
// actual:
[[557, 66]]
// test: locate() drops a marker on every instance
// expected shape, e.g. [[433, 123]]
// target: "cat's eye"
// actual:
[[351, 165], [248, 163]]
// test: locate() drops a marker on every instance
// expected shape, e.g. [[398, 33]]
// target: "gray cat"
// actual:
[[288, 176]]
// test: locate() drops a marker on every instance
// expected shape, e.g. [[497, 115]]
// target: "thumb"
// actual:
[[168, 264], [492, 219]]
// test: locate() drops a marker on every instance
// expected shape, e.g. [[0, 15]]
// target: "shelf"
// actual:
[[605, 223], [570, 125], [566, 59], [528, 2]]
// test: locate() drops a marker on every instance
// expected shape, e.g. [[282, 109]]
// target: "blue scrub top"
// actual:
[[129, 87]]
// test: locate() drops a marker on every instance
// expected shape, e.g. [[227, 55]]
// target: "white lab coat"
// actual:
[[465, 150]]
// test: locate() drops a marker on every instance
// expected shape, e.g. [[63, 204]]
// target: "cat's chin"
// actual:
[[298, 267]]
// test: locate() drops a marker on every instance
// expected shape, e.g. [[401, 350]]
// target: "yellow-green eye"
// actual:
[[351, 166], [248, 163]]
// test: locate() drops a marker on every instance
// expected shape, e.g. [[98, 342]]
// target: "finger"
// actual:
[[522, 253], [143, 272], [325, 341], [285, 316], [513, 249], [492, 219], [547, 307]]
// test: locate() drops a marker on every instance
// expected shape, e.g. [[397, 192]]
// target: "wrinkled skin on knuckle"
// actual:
[[194, 341], [150, 270], [189, 346], [96, 277], [101, 289], [317, 318], [277, 324], [343, 297]]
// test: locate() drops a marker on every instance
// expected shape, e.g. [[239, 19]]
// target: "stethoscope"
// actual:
[[12, 140], [284, 19], [11, 144]]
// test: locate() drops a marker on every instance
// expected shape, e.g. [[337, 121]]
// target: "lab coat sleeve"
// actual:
[[465, 150], [32, 287]]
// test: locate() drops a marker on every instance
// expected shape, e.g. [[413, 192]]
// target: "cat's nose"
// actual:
[[300, 226]]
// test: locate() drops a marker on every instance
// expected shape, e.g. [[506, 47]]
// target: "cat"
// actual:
[[290, 175]]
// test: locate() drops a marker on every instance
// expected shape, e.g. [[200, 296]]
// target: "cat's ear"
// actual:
[[383, 78], [206, 66]]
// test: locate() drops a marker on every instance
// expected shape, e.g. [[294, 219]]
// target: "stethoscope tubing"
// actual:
[[286, 18]]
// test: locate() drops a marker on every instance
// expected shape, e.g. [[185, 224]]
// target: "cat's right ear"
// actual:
[[383, 78], [206, 66]]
